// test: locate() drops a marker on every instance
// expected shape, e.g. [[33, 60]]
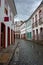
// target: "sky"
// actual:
[[25, 8]]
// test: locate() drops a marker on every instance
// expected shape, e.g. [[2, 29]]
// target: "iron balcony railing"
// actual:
[[40, 21], [41, 15], [36, 24], [33, 25]]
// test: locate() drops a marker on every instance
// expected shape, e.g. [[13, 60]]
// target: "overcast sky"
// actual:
[[25, 8]]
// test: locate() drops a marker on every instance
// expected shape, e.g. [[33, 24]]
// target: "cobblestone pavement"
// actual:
[[28, 53], [6, 54]]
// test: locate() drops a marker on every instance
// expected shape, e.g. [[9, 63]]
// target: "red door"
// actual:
[[8, 36], [3, 35], [0, 35], [11, 36], [14, 36]]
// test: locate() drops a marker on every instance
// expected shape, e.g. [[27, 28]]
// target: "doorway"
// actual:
[[3, 35], [37, 34], [11, 36], [33, 34], [41, 33], [8, 36]]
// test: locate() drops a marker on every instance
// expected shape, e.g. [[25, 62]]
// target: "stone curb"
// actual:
[[36, 42], [12, 54]]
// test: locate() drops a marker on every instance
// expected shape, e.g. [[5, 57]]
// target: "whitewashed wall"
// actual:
[[7, 23], [23, 28], [39, 26], [2, 11]]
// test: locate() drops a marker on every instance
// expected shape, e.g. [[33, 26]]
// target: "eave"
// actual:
[[12, 6]]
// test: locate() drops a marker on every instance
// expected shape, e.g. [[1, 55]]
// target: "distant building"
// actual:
[[23, 31], [37, 23], [7, 13], [17, 30], [28, 29]]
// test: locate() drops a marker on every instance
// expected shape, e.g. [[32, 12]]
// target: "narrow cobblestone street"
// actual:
[[27, 53], [21, 32]]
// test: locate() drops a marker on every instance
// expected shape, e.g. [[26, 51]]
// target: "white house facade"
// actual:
[[29, 29], [37, 23], [7, 13], [23, 31]]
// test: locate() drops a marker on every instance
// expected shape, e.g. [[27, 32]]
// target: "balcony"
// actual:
[[36, 24], [40, 21], [41, 15], [6, 19], [17, 31], [33, 25]]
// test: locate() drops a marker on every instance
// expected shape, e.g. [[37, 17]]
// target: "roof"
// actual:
[[35, 11], [12, 6], [41, 4]]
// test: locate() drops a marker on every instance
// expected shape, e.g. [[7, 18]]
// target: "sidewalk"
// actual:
[[39, 42], [6, 54]]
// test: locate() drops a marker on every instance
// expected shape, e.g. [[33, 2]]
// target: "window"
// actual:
[[5, 1], [33, 20], [10, 15], [0, 2], [40, 13], [35, 17], [6, 11], [6, 18]]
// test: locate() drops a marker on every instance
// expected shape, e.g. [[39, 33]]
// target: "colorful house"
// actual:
[[34, 25], [28, 29], [17, 29], [7, 13], [23, 31], [37, 23]]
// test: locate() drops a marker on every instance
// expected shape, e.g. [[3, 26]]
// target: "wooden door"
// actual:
[[3, 39], [8, 36]]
